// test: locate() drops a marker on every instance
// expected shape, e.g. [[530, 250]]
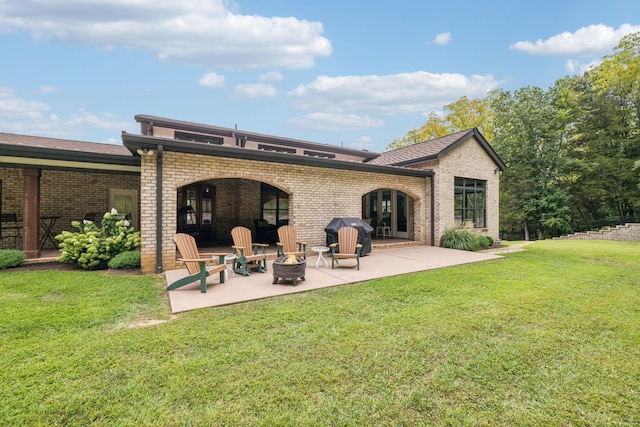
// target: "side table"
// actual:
[[321, 250], [228, 261], [383, 230]]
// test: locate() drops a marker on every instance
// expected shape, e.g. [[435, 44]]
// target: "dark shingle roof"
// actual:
[[421, 151], [62, 144], [434, 149]]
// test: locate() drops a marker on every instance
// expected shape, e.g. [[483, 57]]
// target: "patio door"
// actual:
[[401, 216], [389, 208]]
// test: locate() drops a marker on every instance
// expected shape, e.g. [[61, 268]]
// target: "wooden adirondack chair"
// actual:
[[196, 263], [247, 256], [288, 242], [347, 245]]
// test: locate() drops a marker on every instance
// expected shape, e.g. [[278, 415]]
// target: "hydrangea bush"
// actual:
[[91, 246]]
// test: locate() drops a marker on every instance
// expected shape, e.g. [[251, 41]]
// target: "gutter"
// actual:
[[433, 211], [160, 152], [135, 142]]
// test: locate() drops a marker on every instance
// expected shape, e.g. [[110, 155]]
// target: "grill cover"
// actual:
[[364, 232]]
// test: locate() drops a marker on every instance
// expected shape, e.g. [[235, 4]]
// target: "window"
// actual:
[[276, 149], [275, 205], [469, 201], [207, 139], [318, 154], [126, 203]]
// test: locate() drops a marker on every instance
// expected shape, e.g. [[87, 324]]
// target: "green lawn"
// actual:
[[547, 336]]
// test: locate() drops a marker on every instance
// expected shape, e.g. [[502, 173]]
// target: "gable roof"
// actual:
[[434, 149]]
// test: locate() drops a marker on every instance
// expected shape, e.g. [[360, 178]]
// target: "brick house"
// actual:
[[184, 176]]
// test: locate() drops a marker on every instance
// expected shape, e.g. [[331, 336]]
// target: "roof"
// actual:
[[63, 144], [252, 136], [54, 153], [141, 142], [434, 149]]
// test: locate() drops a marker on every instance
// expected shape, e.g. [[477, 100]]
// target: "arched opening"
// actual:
[[390, 213], [210, 209]]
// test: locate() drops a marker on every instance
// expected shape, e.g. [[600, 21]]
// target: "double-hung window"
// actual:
[[470, 201]]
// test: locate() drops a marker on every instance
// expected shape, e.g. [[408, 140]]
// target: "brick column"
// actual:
[[31, 214]]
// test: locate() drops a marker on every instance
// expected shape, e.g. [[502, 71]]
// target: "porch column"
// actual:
[[31, 213]]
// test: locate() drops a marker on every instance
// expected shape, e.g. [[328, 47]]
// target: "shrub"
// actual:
[[10, 258], [125, 260], [485, 241], [460, 238], [91, 247]]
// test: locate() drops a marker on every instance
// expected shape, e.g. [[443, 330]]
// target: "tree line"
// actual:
[[572, 151]]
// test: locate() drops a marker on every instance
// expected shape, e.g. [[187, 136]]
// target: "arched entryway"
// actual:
[[389, 208], [211, 208]]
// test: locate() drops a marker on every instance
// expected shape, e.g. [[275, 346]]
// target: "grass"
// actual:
[[548, 336]]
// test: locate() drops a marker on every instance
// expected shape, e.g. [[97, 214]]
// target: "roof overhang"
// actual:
[[23, 156], [252, 136], [142, 142]]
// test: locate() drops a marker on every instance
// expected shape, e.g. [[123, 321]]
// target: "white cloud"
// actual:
[[389, 94], [271, 76], [202, 32], [442, 38], [335, 121], [255, 90], [48, 89], [33, 117], [577, 67], [363, 143], [591, 40], [211, 80]]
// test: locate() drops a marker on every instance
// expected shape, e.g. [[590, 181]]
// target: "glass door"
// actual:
[[401, 215], [386, 208]]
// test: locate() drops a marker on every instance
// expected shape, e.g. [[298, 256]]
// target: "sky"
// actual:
[[352, 73]]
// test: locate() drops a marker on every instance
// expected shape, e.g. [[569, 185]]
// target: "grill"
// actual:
[[289, 267]]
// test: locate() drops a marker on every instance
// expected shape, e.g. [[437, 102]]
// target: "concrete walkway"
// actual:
[[379, 263]]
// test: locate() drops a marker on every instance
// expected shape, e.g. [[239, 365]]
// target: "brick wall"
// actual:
[[12, 185], [468, 160], [316, 195]]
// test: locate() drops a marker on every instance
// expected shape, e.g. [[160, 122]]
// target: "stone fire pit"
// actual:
[[289, 267]]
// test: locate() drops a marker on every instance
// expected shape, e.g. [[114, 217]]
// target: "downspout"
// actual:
[[159, 209], [433, 211]]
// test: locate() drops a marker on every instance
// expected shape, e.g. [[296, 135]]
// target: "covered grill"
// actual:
[[364, 232]]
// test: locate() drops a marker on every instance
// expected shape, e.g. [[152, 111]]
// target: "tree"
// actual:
[[619, 75], [433, 128], [606, 141], [461, 115], [528, 141]]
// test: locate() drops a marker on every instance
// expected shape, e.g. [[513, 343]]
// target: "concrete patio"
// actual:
[[379, 263]]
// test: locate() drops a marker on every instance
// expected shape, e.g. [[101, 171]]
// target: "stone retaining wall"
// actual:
[[624, 233]]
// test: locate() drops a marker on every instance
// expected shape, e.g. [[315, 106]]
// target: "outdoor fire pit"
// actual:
[[289, 267]]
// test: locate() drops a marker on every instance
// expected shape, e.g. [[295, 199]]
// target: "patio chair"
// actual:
[[347, 246], [288, 242], [196, 263], [10, 229], [247, 256]]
